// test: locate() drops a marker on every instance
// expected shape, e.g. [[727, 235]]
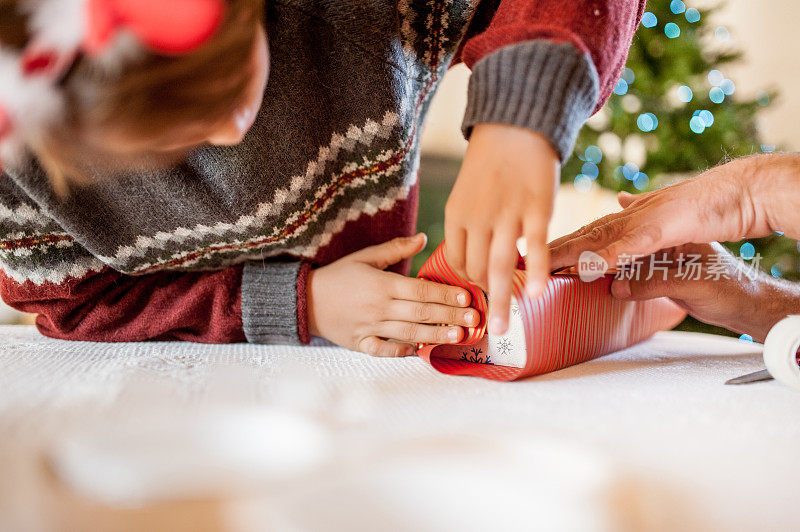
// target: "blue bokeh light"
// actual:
[[716, 95], [590, 170], [677, 6], [722, 34], [715, 77], [647, 122], [628, 75], [593, 154], [779, 233], [727, 86], [692, 15], [641, 181], [582, 183], [776, 271], [685, 94], [707, 117], [672, 30], [746, 338], [697, 125], [621, 88], [630, 171], [649, 19], [747, 251]]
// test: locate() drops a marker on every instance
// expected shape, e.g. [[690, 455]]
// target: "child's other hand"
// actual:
[[505, 190], [355, 304]]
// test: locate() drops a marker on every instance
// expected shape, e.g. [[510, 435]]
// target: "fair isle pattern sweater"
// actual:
[[218, 249]]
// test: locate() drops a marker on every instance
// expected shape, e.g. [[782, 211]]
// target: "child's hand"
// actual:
[[505, 190], [355, 304]]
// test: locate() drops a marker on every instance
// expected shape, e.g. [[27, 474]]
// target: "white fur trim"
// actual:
[[32, 103], [58, 23]]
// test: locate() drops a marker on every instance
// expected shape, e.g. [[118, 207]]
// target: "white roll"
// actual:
[[780, 351]]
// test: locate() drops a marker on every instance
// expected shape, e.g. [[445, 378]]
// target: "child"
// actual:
[[138, 208]]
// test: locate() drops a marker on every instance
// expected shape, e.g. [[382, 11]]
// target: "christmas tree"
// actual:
[[673, 114]]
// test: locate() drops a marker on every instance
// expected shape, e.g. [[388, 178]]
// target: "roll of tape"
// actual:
[[780, 351]]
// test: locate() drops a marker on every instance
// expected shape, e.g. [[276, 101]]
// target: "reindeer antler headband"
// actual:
[[63, 29]]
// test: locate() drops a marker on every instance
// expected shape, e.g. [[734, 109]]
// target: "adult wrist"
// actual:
[[773, 185], [775, 299]]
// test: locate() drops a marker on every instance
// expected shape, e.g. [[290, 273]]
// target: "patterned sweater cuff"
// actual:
[[549, 87], [270, 302]]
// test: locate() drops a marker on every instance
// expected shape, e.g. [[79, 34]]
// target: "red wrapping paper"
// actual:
[[570, 322]]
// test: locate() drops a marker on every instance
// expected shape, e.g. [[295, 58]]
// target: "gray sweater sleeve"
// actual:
[[269, 302], [549, 87]]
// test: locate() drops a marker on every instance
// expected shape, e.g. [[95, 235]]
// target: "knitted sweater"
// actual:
[[218, 249]]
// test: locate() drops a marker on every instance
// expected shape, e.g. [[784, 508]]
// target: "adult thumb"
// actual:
[[391, 252], [626, 198]]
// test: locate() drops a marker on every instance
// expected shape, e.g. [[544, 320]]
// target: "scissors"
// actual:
[[750, 378]]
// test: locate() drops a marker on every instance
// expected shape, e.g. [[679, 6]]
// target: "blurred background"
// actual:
[[705, 81]]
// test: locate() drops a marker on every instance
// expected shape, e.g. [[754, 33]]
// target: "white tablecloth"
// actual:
[[723, 457]]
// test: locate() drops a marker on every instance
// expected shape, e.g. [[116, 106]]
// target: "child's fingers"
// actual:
[[537, 258], [391, 252], [425, 291], [478, 241], [372, 345], [417, 333], [413, 311], [455, 240], [502, 260]]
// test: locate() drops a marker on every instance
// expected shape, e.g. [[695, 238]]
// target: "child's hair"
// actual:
[[120, 117]]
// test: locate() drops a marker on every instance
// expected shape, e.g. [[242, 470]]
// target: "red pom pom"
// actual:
[[170, 27]]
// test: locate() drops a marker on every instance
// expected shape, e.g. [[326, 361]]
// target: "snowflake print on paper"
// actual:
[[504, 347], [476, 357]]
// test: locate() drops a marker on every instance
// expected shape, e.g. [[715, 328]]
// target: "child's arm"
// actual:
[[539, 70], [351, 301], [208, 307]]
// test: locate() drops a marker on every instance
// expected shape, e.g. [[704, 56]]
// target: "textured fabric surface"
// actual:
[[269, 302], [549, 88], [711, 456], [329, 167]]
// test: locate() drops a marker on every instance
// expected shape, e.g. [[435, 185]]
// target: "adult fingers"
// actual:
[[666, 284], [377, 347], [595, 236], [637, 241]]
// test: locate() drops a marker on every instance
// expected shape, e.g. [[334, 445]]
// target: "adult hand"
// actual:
[[504, 191], [745, 198], [712, 285]]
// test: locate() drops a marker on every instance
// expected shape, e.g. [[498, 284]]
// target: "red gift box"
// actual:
[[571, 322]]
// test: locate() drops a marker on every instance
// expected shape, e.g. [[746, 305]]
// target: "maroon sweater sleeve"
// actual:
[[602, 28], [111, 307]]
